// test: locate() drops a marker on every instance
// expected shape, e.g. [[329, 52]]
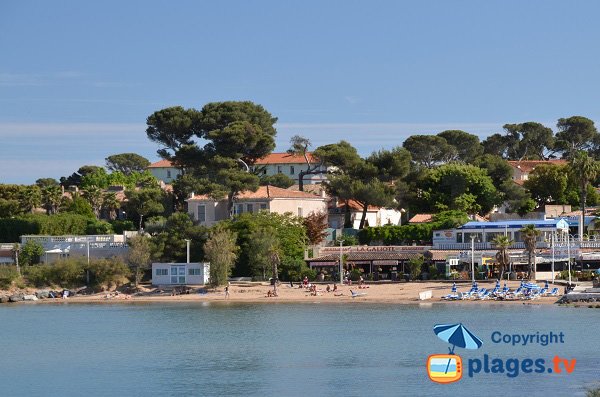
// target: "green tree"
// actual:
[[51, 197], [530, 235], [93, 195], [415, 265], [139, 256], [144, 203], [575, 133], [502, 244], [460, 187], [77, 205], [31, 198], [497, 145], [585, 170], [31, 253], [221, 251], [299, 147], [127, 163], [547, 184], [528, 140], [429, 150], [280, 180], [46, 182], [110, 204], [76, 177], [467, 146], [173, 128], [264, 253]]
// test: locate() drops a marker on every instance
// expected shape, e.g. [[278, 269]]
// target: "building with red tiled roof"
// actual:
[[207, 211], [274, 163], [164, 171], [522, 169], [376, 216]]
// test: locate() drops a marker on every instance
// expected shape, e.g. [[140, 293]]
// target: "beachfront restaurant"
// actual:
[[373, 262]]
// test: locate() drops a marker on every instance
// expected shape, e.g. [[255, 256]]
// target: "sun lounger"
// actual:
[[357, 294], [554, 292]]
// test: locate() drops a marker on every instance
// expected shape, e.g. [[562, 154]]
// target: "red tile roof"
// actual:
[[273, 158], [529, 165], [284, 158], [161, 164], [420, 218]]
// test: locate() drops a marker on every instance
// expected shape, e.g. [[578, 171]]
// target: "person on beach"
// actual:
[[227, 290]]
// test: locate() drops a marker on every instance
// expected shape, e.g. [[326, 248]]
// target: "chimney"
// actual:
[[192, 195]]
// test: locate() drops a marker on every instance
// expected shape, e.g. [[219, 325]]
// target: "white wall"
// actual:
[[272, 169], [162, 174], [182, 279]]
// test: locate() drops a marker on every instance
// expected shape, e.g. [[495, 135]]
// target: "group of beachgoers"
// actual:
[[526, 290]]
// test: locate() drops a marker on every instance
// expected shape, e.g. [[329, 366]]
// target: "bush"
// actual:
[[565, 275], [8, 275], [119, 226], [355, 274], [415, 264], [291, 269], [308, 273], [108, 273], [67, 273], [38, 275], [434, 273]]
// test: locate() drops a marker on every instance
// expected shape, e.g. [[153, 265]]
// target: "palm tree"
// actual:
[[502, 243], [51, 197], [530, 235], [93, 195], [585, 170], [110, 204]]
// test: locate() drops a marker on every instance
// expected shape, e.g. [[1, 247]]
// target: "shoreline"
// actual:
[[400, 293]]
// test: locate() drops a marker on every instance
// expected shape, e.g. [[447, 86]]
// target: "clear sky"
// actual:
[[79, 78]]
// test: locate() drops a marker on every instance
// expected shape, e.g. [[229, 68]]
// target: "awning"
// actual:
[[324, 264]]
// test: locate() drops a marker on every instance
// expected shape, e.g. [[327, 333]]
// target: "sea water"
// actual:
[[232, 349]]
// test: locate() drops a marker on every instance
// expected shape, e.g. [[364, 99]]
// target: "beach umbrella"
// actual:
[[531, 286], [546, 284], [453, 287], [457, 335], [498, 284], [597, 271], [505, 289]]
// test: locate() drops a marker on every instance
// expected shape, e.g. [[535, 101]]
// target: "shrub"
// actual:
[[119, 226], [434, 273], [67, 273], [38, 275], [308, 273], [355, 274], [8, 275], [291, 269], [108, 273], [415, 264]]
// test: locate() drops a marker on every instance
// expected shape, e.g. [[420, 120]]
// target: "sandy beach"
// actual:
[[400, 293]]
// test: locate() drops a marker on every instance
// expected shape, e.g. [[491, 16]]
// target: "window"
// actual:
[[162, 272], [201, 214], [263, 207], [177, 274], [292, 171], [168, 173], [194, 272], [300, 211], [279, 169], [250, 208], [239, 208]]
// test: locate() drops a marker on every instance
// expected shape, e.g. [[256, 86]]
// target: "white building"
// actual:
[[95, 246], [376, 216], [207, 211], [164, 171], [290, 165], [180, 273], [522, 169]]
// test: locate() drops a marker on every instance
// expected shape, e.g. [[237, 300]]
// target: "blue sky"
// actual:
[[78, 79]]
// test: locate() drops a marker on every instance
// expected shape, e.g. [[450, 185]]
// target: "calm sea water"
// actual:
[[277, 350]]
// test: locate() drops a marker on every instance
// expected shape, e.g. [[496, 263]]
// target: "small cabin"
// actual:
[[180, 273]]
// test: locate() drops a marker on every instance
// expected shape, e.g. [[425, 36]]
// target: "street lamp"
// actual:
[[473, 258], [341, 241], [188, 250]]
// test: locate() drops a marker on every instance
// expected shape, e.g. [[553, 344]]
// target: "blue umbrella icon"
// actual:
[[457, 335]]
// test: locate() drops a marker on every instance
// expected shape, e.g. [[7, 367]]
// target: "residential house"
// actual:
[[290, 165], [376, 216], [522, 169], [164, 170], [274, 163], [207, 211]]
